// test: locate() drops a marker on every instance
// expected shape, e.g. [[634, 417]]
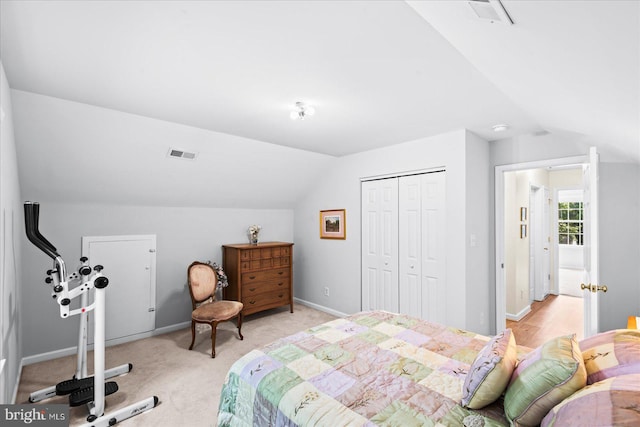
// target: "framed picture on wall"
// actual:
[[333, 224]]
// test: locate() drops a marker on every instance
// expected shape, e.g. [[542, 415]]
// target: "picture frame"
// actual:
[[333, 224]]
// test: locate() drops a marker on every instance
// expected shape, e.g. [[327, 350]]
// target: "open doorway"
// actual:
[[542, 295]]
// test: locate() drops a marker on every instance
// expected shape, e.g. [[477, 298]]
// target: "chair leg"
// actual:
[[214, 326], [193, 334], [240, 325]]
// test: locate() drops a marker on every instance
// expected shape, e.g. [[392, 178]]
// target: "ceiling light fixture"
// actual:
[[301, 110], [500, 128]]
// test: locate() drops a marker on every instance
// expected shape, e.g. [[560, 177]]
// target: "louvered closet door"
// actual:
[[422, 291], [380, 244]]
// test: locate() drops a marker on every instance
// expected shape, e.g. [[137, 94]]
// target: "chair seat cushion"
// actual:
[[217, 311]]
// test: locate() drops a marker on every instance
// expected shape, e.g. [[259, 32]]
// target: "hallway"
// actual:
[[555, 316]]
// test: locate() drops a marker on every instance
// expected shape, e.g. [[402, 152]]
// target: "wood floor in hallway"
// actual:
[[555, 316]]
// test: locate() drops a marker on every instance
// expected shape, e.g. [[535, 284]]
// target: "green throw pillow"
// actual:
[[544, 378]]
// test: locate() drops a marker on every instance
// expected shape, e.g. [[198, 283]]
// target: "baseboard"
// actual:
[[29, 360], [520, 315], [320, 307]]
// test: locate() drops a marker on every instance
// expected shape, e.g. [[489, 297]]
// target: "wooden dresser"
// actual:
[[260, 276]]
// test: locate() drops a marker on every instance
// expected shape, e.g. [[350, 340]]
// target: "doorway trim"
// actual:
[[501, 294]]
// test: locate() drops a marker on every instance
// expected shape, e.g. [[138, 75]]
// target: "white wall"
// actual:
[[11, 233], [619, 243], [183, 235], [478, 242], [336, 263]]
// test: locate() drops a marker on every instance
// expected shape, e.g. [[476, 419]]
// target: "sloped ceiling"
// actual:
[[573, 65], [378, 73]]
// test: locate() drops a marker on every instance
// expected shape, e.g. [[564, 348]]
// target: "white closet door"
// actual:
[[433, 219], [422, 246], [380, 245], [410, 245]]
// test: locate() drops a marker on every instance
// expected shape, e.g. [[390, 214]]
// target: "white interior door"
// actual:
[[380, 244], [535, 289], [540, 238], [433, 237], [130, 265], [591, 262], [412, 292]]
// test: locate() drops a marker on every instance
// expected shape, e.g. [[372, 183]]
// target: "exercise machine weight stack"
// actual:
[[65, 288]]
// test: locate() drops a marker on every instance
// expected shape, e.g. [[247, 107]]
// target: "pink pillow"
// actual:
[[611, 402], [611, 353]]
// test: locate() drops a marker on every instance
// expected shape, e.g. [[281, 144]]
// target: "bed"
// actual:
[[381, 368]]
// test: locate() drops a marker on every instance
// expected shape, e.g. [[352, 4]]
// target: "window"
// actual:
[[570, 217]]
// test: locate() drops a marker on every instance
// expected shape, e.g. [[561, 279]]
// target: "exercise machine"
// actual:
[[81, 388]]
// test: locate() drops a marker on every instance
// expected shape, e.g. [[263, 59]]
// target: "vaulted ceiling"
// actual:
[[377, 72]]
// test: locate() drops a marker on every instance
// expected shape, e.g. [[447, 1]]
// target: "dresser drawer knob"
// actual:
[[252, 289], [252, 277], [281, 283], [281, 272], [252, 302], [280, 296]]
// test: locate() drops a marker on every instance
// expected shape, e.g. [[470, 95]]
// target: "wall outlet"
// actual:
[[326, 291]]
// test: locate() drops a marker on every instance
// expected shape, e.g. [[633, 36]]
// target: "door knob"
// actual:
[[593, 288]]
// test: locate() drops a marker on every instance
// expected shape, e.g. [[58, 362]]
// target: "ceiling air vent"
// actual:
[[179, 154], [491, 10]]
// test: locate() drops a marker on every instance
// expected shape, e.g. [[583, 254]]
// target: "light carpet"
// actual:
[[188, 383]]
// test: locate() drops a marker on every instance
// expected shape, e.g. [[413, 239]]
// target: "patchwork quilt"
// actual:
[[372, 368]]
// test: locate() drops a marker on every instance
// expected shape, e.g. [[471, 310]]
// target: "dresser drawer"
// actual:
[[263, 287], [265, 263], [264, 276], [273, 298]]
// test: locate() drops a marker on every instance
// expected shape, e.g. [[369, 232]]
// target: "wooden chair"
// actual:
[[202, 280]]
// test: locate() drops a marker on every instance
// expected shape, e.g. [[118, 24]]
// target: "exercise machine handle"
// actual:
[[31, 216]]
